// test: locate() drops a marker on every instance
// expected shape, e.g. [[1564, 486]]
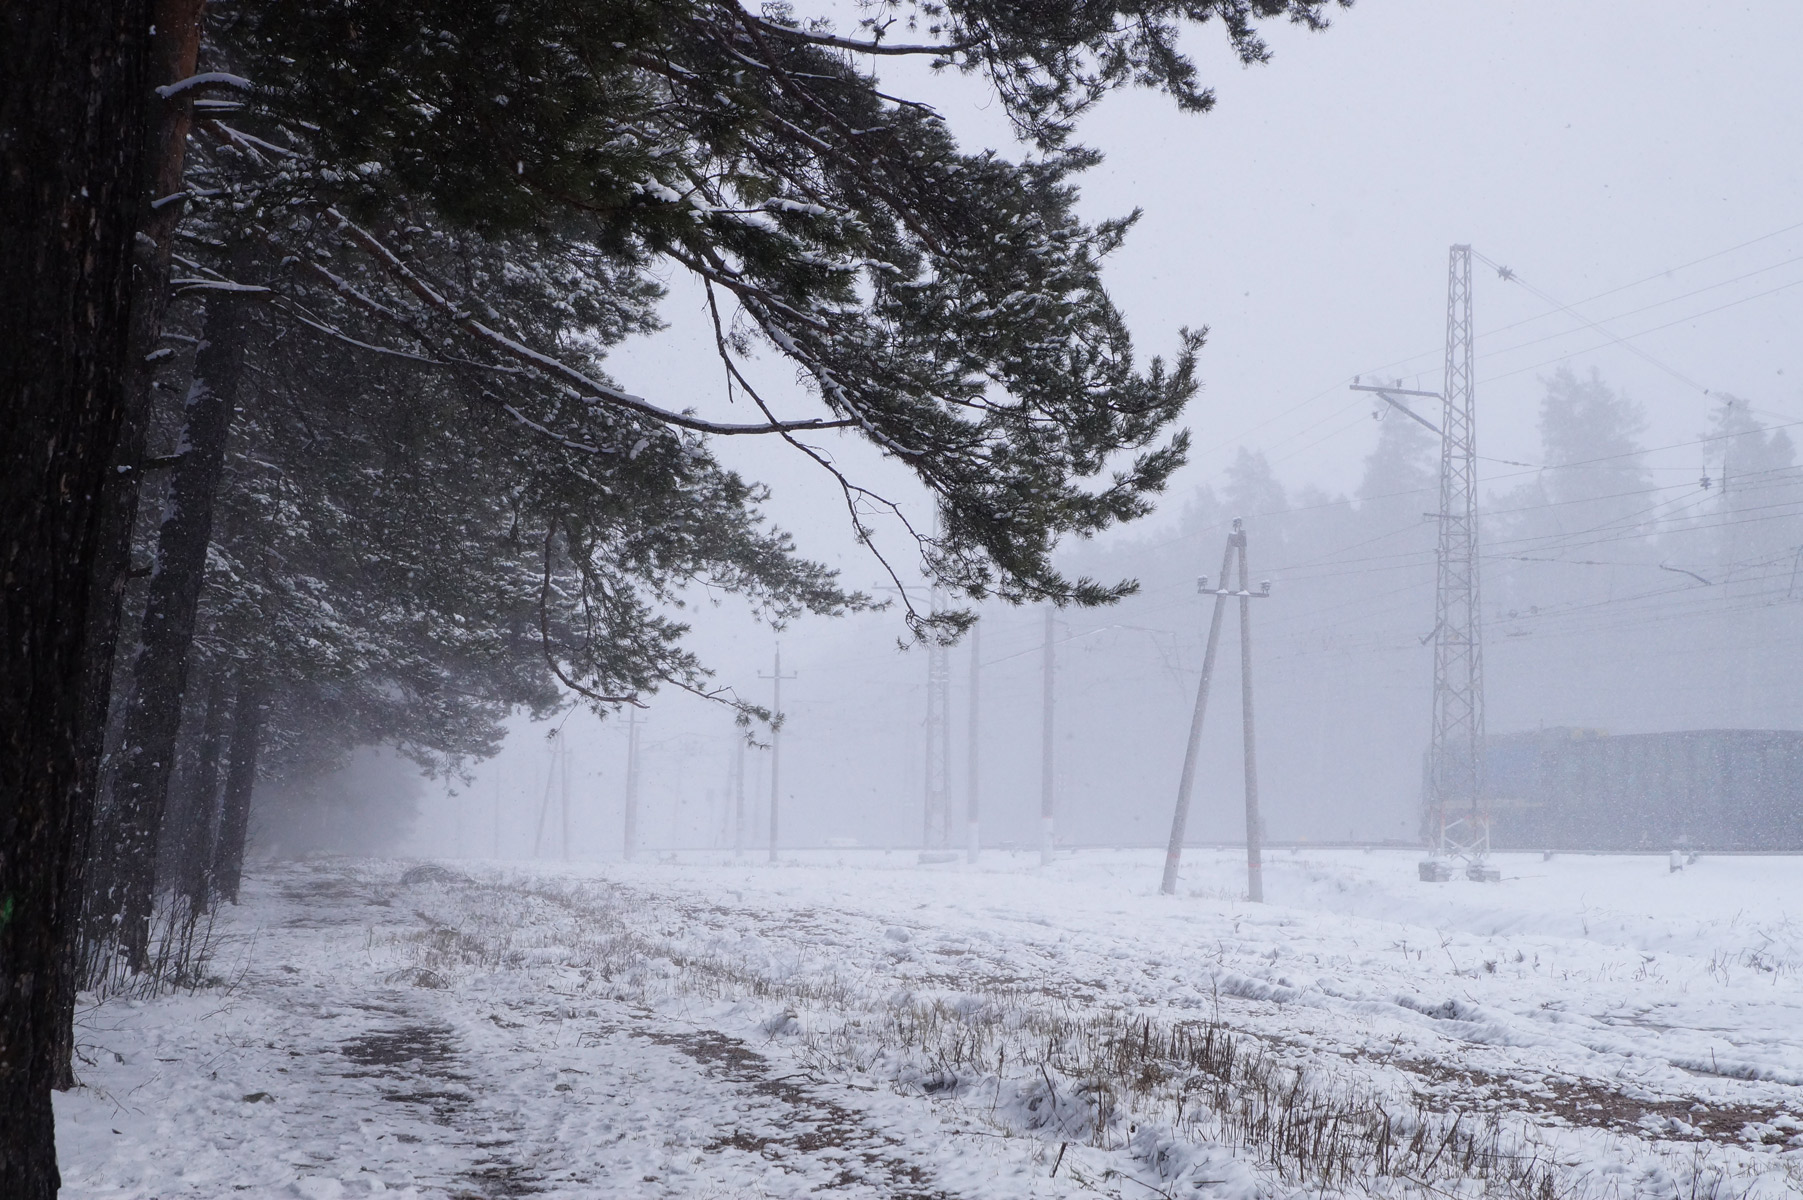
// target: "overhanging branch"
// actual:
[[583, 384]]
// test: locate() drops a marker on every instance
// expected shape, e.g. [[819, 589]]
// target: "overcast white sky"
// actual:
[[1306, 222], [1598, 148]]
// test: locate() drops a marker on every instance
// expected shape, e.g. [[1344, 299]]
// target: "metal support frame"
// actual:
[[1457, 817], [1455, 812]]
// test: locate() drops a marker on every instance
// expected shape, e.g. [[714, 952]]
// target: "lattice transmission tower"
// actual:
[[1458, 819]]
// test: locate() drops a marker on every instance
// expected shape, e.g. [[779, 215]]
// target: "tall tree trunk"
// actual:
[[174, 51], [159, 676], [200, 816], [240, 781], [74, 102]]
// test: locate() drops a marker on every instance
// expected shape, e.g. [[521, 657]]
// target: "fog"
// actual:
[[1423, 818], [1634, 166]]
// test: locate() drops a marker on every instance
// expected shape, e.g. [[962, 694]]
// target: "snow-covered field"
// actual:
[[855, 1023]]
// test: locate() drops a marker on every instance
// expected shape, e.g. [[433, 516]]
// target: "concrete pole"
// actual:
[[564, 797], [738, 789], [776, 745], [1173, 856], [631, 842], [973, 838], [1255, 878], [1047, 793]]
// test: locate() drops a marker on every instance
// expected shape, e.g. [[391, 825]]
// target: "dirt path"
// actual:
[[335, 1069]]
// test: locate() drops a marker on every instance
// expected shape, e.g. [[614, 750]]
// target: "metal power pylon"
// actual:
[[938, 831], [1456, 821]]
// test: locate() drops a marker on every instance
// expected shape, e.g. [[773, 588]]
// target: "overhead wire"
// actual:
[[1642, 333], [1633, 312], [1645, 279]]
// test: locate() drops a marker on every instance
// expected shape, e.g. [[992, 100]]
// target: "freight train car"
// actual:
[[1709, 789]]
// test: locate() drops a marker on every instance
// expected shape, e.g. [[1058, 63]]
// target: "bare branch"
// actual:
[[850, 490], [872, 47], [544, 637], [583, 384]]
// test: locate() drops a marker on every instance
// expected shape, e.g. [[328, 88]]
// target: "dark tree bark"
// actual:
[[74, 102], [174, 50], [159, 677], [193, 873], [240, 781]]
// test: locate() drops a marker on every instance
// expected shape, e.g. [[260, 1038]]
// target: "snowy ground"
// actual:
[[853, 1023]]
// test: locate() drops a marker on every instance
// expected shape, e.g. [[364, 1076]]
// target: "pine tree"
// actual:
[[74, 106], [946, 306]]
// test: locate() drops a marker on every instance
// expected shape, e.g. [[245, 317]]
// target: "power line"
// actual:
[[1764, 237], [1654, 329], [1643, 308], [1512, 277]]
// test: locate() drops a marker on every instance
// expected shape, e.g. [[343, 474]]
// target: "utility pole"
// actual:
[[544, 804], [1255, 826], [936, 835], [1047, 795], [1456, 821], [776, 738], [632, 784], [1173, 855], [971, 827], [1236, 546], [564, 797], [738, 794], [497, 829]]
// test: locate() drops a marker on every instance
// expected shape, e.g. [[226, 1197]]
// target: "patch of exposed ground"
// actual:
[[816, 1126], [1591, 1103]]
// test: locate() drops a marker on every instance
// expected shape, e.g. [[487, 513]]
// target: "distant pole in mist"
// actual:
[[564, 797], [738, 796], [1255, 871], [632, 783], [971, 829], [936, 831], [1047, 834], [1173, 856], [497, 831], [544, 804], [776, 740]]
